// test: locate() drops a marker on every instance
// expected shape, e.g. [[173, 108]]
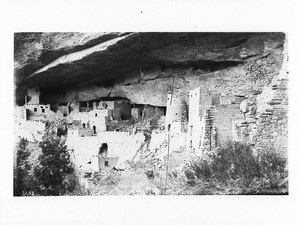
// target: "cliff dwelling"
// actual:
[[180, 108]]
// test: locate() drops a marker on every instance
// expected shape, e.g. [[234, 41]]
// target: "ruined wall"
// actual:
[[248, 103], [94, 121], [107, 163], [136, 113], [20, 113], [125, 109], [30, 130], [114, 114], [86, 149], [159, 143], [224, 118], [97, 120], [200, 126], [86, 132], [195, 124], [152, 112], [83, 117], [159, 112], [110, 104], [38, 112], [148, 112]]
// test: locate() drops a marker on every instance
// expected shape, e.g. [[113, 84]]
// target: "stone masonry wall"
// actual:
[[224, 116], [249, 105], [120, 144]]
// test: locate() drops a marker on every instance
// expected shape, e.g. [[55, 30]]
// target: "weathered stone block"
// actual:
[[250, 120]]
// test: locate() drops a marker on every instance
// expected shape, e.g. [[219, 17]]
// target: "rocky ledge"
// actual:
[[139, 66]]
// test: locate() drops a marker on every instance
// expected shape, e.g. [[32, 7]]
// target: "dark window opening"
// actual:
[[43, 110], [165, 110], [35, 109], [83, 125], [83, 104], [95, 114], [103, 148], [141, 113], [169, 127], [94, 128], [106, 163]]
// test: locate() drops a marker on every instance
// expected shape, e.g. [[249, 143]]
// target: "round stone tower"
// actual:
[[176, 110]]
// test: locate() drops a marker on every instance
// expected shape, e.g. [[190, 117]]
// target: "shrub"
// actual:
[[197, 169], [235, 161], [273, 169], [235, 169], [54, 167]]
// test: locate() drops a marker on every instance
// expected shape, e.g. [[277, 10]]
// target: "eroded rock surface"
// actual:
[[140, 66]]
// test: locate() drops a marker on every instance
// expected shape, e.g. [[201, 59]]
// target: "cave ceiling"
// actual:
[[58, 62]]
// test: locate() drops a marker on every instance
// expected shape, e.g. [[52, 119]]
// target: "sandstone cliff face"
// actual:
[[143, 66], [249, 76]]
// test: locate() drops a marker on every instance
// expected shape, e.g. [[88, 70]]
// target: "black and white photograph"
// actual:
[[151, 113]]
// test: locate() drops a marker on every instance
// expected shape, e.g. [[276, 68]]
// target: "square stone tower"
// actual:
[[200, 102], [33, 96]]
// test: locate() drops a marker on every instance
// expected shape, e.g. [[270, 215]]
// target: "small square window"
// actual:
[[35, 109], [43, 110], [106, 163]]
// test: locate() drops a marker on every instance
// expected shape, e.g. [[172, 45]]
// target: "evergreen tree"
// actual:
[[54, 166], [22, 168]]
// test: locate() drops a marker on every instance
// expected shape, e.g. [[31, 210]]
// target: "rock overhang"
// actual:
[[126, 55]]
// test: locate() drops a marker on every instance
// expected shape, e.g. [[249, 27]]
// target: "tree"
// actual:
[[54, 166], [22, 168]]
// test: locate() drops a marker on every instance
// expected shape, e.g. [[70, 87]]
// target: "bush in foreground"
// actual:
[[234, 169]]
